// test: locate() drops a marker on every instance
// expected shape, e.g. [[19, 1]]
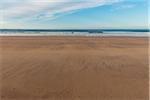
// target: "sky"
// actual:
[[73, 14]]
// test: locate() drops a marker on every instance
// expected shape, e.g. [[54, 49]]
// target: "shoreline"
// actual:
[[76, 36], [38, 35]]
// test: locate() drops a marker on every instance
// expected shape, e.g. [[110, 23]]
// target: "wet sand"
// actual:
[[74, 68]]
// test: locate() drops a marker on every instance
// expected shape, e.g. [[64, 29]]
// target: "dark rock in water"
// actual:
[[95, 31]]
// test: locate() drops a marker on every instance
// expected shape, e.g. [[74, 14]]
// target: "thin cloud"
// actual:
[[124, 6], [45, 9]]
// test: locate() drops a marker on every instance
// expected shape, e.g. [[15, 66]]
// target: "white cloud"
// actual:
[[45, 9], [124, 6]]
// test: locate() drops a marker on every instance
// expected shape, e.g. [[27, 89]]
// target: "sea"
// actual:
[[76, 32]]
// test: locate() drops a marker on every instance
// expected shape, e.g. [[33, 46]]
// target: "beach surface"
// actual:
[[73, 68]]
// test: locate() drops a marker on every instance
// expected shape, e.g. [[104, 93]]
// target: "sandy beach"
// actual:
[[73, 68]]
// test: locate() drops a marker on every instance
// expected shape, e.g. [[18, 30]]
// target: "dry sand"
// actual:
[[74, 68]]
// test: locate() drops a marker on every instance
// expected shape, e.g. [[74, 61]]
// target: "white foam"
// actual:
[[136, 34]]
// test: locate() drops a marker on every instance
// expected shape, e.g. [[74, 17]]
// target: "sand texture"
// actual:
[[73, 68]]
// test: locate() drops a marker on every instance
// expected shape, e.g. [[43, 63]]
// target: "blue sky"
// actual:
[[71, 14]]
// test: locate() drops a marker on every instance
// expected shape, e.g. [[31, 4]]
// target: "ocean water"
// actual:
[[81, 32]]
